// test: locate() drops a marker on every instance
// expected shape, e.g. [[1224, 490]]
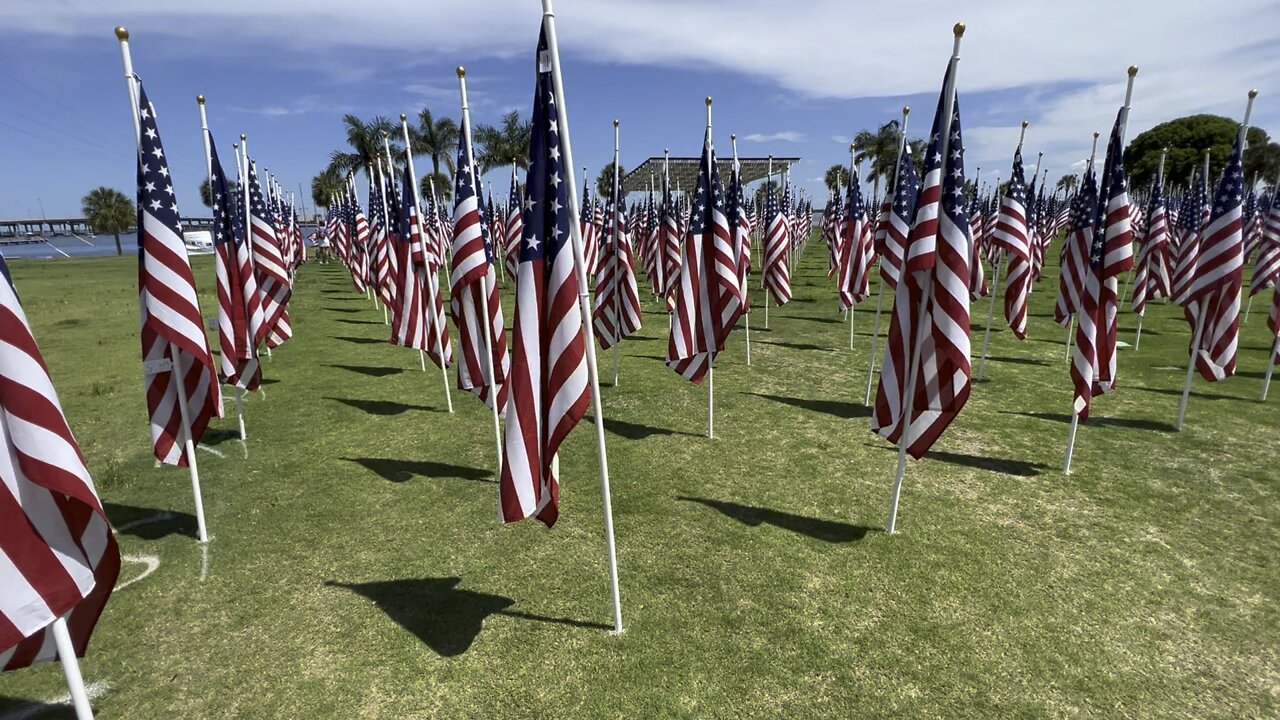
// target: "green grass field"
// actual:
[[357, 569]]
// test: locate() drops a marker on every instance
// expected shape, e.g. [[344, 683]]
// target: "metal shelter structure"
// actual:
[[684, 171]]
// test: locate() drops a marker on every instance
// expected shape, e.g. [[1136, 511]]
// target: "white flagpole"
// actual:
[[71, 669], [422, 233], [386, 217], [1271, 365], [1200, 307], [746, 285], [248, 219], [855, 170], [208, 162], [904, 419], [995, 284], [174, 369], [889, 192], [584, 303], [711, 382], [617, 199], [491, 376]]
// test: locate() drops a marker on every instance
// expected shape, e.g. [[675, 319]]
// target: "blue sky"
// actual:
[[802, 76]]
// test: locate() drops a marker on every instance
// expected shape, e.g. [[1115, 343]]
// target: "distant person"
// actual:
[[321, 242]]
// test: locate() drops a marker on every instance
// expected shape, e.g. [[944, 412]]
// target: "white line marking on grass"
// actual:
[[95, 691], [151, 561], [212, 450]]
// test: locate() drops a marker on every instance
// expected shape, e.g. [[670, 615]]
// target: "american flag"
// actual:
[[1213, 291], [1186, 234], [514, 227], [590, 228], [173, 336], [383, 270], [935, 291], [474, 301], [1093, 366], [897, 226], [273, 276], [831, 233], [239, 302], [740, 225], [1252, 225], [776, 273], [856, 251], [1010, 235], [617, 292], [59, 555], [1266, 270], [359, 246], [409, 314], [669, 246], [977, 249], [708, 293], [1074, 258], [1151, 280], [548, 368]]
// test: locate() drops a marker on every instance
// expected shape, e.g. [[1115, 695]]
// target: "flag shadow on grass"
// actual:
[[796, 346], [398, 471], [826, 530], [349, 321], [370, 370], [1006, 466], [360, 340], [442, 615], [636, 431], [381, 407], [348, 310], [840, 409], [12, 707], [1177, 392], [1017, 361], [1131, 423], [149, 523]]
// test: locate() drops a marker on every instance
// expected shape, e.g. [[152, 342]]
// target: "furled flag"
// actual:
[[776, 271], [1074, 258], [617, 293], [831, 233], [853, 276], [1213, 291], [273, 276], [934, 290], [514, 227], [1266, 271], [1010, 235], [382, 268], [359, 246], [978, 249], [239, 302], [1151, 279], [474, 301], [740, 227], [1252, 225], [173, 337], [58, 554], [1093, 365], [548, 366], [409, 313], [897, 226], [708, 292]]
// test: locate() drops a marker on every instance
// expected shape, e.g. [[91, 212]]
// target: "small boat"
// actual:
[[198, 240]]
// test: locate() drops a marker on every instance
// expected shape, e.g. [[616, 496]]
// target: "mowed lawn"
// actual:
[[357, 569]]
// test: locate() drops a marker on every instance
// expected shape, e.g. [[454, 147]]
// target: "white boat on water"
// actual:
[[198, 240]]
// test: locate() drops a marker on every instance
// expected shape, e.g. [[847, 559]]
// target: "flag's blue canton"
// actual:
[[155, 187], [707, 185], [1114, 182], [546, 202], [737, 201], [1017, 182], [409, 200], [257, 207], [953, 203], [771, 202], [1250, 205], [1033, 207], [854, 205], [1192, 206], [1231, 190], [464, 189], [1157, 195], [224, 229], [908, 191]]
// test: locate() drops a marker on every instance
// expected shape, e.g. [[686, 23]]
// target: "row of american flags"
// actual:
[[927, 240]]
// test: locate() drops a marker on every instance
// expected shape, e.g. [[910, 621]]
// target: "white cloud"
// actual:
[[790, 136], [301, 106], [842, 139]]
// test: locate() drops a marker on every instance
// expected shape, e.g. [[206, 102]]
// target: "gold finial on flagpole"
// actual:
[[122, 33], [242, 138], [615, 123], [958, 29], [462, 72], [1133, 70], [732, 137], [906, 109], [1025, 124], [199, 99], [1253, 93], [708, 100], [403, 117]]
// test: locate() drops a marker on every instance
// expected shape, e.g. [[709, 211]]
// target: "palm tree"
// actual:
[[880, 148], [604, 181], [325, 185], [1067, 182], [436, 139], [365, 139], [109, 211], [506, 144], [443, 186], [207, 198], [836, 177]]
